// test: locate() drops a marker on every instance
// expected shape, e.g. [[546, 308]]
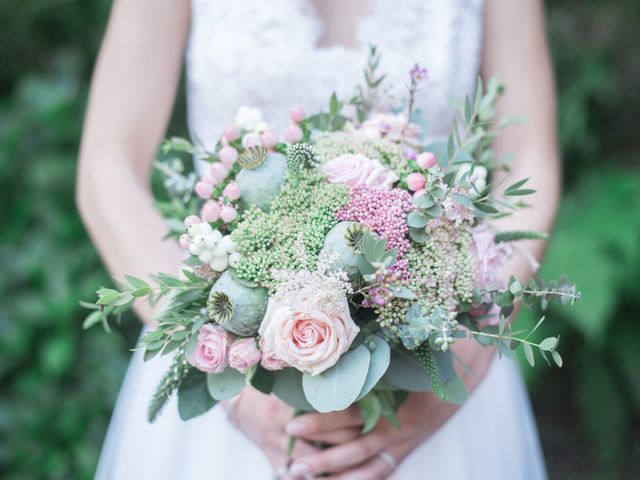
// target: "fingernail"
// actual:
[[294, 428], [299, 469]]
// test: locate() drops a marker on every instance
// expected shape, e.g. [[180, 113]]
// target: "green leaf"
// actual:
[[380, 358], [548, 343], [135, 282], [334, 104], [108, 298], [225, 385], [262, 380], [287, 385], [416, 220], [193, 395], [405, 371], [423, 201], [528, 354], [339, 386], [557, 358], [92, 319], [141, 292], [418, 235], [455, 390], [371, 411]]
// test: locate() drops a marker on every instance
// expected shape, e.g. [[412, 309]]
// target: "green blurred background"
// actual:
[[58, 383]]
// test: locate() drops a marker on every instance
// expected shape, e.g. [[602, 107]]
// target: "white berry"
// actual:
[[234, 259], [219, 264]]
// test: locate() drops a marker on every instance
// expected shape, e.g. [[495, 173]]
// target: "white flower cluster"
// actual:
[[308, 290], [211, 247], [251, 122]]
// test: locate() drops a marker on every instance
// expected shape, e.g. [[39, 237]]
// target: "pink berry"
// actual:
[[297, 114], [232, 191], [415, 181], [207, 178], [251, 140], [218, 171], [293, 134], [232, 133], [269, 139], [184, 241], [192, 220], [210, 211], [228, 213], [426, 160], [419, 193], [228, 156], [204, 189]]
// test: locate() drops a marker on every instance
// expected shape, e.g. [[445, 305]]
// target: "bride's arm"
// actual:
[[515, 49], [132, 94]]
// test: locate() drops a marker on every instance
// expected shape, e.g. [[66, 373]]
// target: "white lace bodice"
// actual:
[[263, 53]]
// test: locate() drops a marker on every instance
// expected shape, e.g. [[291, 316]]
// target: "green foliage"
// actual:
[[339, 386]]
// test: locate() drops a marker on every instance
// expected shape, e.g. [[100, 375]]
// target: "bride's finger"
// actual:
[[335, 459], [340, 435], [374, 468], [311, 423]]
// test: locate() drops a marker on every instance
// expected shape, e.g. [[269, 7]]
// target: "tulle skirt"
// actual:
[[492, 436]]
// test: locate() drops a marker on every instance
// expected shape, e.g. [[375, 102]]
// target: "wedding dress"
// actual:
[[265, 54]]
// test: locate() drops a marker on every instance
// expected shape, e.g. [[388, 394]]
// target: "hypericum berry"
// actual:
[[228, 214], [426, 160], [191, 220], [232, 191], [293, 134], [297, 114], [415, 181], [232, 133], [218, 171], [269, 139], [228, 156], [210, 211], [204, 190]]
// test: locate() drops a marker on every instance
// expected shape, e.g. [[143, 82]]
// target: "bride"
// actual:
[[274, 55]]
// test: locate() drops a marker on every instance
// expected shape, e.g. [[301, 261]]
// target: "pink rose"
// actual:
[[269, 359], [311, 341], [357, 170], [394, 128], [244, 354], [211, 353]]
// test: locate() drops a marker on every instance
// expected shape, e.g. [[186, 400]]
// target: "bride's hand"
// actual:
[[363, 457], [376, 454], [264, 418]]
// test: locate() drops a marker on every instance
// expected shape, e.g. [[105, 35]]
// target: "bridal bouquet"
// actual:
[[339, 263]]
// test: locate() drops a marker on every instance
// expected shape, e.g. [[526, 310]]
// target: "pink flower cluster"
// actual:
[[385, 213], [217, 349]]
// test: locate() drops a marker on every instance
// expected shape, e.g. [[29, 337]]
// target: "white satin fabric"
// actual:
[[263, 54]]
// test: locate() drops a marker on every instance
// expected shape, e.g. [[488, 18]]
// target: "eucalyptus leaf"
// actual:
[[225, 385], [371, 411], [528, 354], [193, 396], [380, 358], [339, 386], [405, 371], [287, 385], [455, 390]]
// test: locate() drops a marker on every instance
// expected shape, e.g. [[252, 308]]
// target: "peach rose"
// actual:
[[359, 170], [311, 341], [244, 354], [211, 353]]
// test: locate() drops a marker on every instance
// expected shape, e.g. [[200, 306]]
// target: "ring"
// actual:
[[388, 459]]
